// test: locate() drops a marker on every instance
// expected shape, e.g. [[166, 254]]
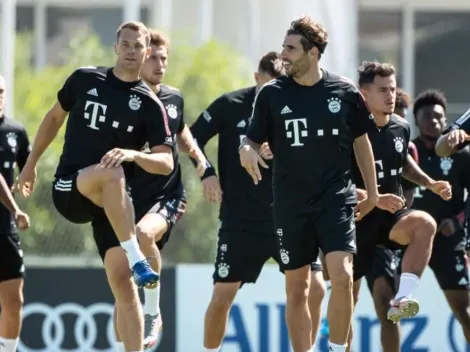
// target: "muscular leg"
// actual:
[[315, 297], [383, 294], [106, 188], [298, 320], [416, 230], [459, 302], [129, 317], [11, 303], [215, 321], [340, 307]]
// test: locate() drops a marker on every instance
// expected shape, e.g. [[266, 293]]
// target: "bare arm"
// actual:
[[443, 148], [6, 198], [47, 132], [188, 145], [159, 161], [413, 173], [366, 163]]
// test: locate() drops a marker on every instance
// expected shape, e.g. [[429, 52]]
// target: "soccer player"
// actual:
[[391, 224], [382, 279], [454, 138], [112, 114], [247, 237], [14, 151], [159, 200], [313, 120], [448, 258]]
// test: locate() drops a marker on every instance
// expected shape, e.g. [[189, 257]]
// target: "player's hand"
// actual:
[[22, 220], [250, 159], [211, 189], [390, 202], [364, 207], [442, 189], [26, 180], [456, 137], [447, 227], [361, 194], [115, 157], [265, 151]]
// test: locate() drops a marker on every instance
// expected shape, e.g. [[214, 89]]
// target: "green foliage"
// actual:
[[202, 73]]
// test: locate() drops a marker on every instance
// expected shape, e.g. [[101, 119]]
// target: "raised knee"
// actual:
[[425, 224], [113, 175]]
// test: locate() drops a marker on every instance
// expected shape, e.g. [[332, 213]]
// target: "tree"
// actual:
[[202, 73]]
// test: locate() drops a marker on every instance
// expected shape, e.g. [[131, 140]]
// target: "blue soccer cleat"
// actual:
[[144, 276]]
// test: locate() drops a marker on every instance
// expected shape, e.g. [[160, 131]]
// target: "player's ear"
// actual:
[[256, 76], [364, 92], [314, 52], [149, 51], [115, 48]]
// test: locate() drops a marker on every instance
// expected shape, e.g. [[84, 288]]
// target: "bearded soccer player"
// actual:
[[391, 224], [160, 200], [246, 236], [14, 151], [313, 119], [448, 258], [112, 114]]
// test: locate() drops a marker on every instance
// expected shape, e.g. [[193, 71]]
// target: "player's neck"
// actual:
[[311, 77], [154, 87], [125, 75], [429, 142], [381, 119]]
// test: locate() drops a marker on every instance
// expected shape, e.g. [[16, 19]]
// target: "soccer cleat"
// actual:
[[153, 325], [144, 276], [404, 307]]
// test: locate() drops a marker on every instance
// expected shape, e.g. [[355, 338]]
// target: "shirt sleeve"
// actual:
[[66, 95], [261, 119], [24, 148], [156, 125], [362, 120], [462, 123], [182, 122], [209, 123]]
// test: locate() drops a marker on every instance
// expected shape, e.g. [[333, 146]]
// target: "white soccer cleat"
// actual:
[[153, 326], [404, 307]]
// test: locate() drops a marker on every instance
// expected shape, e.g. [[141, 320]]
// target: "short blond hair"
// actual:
[[134, 26]]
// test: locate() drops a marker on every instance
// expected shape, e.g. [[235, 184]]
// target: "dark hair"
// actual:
[[271, 64], [313, 34], [403, 100], [429, 97], [135, 26], [369, 69], [157, 38]]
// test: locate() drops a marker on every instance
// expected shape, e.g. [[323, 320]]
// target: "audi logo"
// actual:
[[84, 332]]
